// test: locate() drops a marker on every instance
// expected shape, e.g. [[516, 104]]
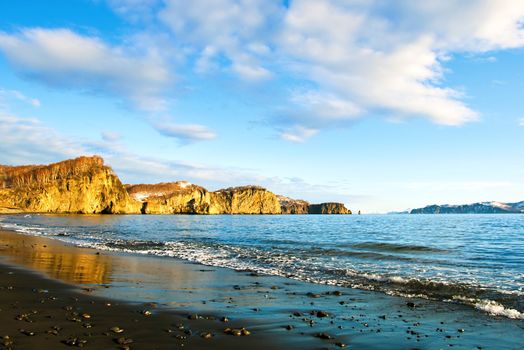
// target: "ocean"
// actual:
[[476, 260]]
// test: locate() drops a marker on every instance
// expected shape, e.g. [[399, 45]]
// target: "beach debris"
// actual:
[[340, 345], [75, 341], [224, 319], [116, 329], [206, 335], [146, 312], [323, 335], [87, 325], [460, 330], [410, 304], [297, 314], [86, 316], [289, 327], [193, 317]]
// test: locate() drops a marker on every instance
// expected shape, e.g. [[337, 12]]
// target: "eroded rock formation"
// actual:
[[82, 185]]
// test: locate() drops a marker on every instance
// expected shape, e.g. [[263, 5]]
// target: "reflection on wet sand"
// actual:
[[79, 266]]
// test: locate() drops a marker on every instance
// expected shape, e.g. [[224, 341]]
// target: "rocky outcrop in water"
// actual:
[[85, 185], [475, 208], [82, 185]]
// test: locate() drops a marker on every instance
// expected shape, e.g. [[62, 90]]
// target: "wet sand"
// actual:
[[52, 294]]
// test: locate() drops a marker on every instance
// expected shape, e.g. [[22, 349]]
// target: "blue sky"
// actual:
[[383, 107]]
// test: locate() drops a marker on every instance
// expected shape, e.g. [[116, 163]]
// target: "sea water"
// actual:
[[472, 259]]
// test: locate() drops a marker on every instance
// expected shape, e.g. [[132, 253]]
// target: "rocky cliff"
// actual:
[[82, 185], [85, 185], [293, 206], [184, 198], [328, 208], [244, 200], [171, 198]]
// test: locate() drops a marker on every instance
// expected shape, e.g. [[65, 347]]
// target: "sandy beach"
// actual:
[[57, 295]]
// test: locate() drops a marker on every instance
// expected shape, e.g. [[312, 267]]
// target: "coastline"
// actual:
[[265, 305]]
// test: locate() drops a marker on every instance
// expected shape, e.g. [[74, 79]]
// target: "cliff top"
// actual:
[[241, 188], [143, 191], [19, 176]]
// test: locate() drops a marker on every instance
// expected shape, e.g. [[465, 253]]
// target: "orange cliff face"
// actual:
[[85, 185], [82, 185]]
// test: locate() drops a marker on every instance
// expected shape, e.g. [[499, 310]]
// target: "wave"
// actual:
[[307, 265], [400, 248]]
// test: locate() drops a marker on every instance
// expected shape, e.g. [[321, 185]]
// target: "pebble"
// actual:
[[323, 336], [313, 295], [116, 329], [410, 304], [206, 335], [26, 332], [123, 341], [146, 313], [237, 332], [74, 341], [322, 314]]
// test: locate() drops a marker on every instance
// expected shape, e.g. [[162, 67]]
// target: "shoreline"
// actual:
[[265, 305]]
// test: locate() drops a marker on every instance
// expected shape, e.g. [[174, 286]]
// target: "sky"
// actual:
[[382, 105]]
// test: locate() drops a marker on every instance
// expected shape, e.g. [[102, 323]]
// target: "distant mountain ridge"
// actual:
[[474, 208]]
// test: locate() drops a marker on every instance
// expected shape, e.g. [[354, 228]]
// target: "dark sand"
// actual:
[[47, 286]]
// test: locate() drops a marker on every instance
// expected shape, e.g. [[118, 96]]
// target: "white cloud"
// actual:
[[521, 121], [298, 133], [184, 132], [28, 139], [110, 136], [471, 186], [14, 94], [234, 29], [349, 59], [63, 58]]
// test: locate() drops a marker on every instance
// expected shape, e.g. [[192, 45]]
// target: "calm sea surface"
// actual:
[[472, 259]]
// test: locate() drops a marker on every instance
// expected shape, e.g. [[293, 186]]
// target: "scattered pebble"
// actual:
[[116, 329], [74, 341], [323, 336]]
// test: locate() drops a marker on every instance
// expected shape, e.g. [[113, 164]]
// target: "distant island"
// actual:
[[475, 208], [85, 185]]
